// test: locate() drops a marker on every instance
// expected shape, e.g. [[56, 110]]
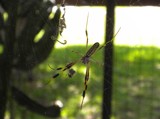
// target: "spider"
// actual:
[[85, 59]]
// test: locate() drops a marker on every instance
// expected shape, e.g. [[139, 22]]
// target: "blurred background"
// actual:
[[29, 57]]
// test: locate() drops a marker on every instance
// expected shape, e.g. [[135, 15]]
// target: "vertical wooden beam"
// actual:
[[118, 2], [108, 61]]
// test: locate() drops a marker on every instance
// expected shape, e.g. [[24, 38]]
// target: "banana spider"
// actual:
[[85, 59]]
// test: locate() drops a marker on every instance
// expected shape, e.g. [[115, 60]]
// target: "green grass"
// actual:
[[136, 80], [135, 87]]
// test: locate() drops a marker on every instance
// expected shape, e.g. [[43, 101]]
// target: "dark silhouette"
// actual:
[[108, 62], [24, 19], [24, 100]]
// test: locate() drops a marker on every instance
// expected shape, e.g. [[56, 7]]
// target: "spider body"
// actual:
[[85, 59]]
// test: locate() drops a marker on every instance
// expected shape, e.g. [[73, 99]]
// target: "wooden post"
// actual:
[[108, 61]]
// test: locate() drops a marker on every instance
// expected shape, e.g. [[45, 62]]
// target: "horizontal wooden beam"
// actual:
[[138, 2], [103, 2]]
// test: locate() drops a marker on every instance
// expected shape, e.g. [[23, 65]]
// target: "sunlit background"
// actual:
[[137, 24]]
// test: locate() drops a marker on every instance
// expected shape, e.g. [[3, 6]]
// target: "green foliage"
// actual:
[[135, 82]]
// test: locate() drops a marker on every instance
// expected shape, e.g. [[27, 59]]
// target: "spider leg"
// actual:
[[85, 83], [86, 31], [110, 40], [57, 74], [67, 67], [87, 38]]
